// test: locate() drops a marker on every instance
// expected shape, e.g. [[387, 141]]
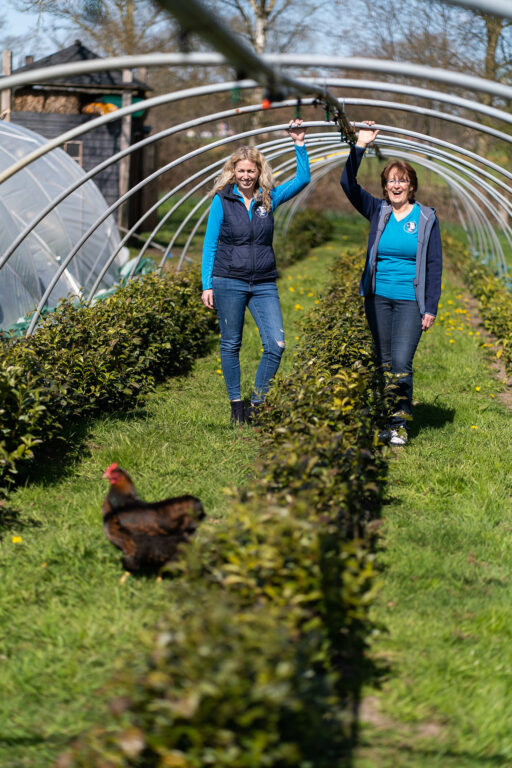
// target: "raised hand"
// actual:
[[296, 131], [366, 135]]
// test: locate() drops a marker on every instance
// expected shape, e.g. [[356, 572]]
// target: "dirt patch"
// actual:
[[371, 714]]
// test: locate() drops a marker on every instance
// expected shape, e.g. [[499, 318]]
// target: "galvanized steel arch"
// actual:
[[221, 142], [266, 66], [190, 93]]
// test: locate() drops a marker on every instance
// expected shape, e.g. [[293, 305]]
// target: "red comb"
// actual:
[[112, 467]]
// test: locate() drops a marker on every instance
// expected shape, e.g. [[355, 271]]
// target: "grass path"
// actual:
[[66, 621], [446, 599]]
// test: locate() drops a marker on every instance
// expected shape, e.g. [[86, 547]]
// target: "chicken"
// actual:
[[148, 533]]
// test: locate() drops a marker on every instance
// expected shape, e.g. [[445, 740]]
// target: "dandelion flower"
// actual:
[[473, 426], [477, 389], [16, 539], [218, 370]]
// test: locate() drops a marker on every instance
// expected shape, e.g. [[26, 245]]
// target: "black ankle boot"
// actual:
[[237, 412]]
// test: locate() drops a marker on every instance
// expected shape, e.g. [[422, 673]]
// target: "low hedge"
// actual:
[[260, 660], [307, 230], [83, 361], [495, 300]]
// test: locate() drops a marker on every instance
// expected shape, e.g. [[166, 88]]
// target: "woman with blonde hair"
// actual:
[[239, 266]]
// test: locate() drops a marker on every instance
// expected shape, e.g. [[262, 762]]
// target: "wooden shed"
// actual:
[[52, 108]]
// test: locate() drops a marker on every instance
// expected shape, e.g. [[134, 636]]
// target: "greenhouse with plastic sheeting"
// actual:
[[31, 266]]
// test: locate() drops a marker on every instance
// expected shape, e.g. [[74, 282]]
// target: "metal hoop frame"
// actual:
[[474, 184]]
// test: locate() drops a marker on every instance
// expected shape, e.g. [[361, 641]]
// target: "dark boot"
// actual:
[[237, 412]]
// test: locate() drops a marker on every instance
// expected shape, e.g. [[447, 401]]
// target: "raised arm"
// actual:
[[289, 189], [362, 200]]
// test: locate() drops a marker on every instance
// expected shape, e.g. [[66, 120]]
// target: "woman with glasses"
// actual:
[[401, 281]]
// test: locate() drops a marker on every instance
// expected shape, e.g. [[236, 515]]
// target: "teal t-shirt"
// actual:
[[396, 257]]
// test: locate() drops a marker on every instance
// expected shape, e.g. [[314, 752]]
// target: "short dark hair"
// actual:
[[404, 170]]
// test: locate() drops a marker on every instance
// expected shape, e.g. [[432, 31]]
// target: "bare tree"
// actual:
[[111, 27], [434, 34], [275, 25]]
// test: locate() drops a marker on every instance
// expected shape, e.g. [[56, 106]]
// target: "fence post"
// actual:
[[125, 141], [5, 105]]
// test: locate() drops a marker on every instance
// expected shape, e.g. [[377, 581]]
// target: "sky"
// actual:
[[18, 24]]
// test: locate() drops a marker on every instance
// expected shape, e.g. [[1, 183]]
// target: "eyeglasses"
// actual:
[[402, 182]]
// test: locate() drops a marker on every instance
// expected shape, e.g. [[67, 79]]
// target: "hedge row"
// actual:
[[83, 361], [493, 295], [260, 659], [307, 230]]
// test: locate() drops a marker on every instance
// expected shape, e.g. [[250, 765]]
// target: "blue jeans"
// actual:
[[395, 325], [231, 297]]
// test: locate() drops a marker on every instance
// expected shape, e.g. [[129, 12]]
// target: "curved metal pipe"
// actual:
[[310, 139], [219, 143], [188, 93], [496, 7]]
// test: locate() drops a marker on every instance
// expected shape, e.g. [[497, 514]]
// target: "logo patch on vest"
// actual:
[[410, 227], [261, 211]]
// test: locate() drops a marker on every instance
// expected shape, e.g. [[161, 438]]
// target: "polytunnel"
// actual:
[[26, 276], [88, 257]]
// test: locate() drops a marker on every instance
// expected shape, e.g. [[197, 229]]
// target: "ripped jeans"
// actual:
[[231, 297]]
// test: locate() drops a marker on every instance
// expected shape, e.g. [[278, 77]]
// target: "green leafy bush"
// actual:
[[86, 360], [307, 230], [492, 293], [21, 414], [261, 660]]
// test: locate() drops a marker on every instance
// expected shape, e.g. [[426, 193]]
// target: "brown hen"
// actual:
[[148, 533]]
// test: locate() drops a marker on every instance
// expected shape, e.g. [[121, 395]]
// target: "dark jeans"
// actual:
[[231, 297], [396, 329]]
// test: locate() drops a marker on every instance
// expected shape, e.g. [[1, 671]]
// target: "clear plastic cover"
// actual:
[[28, 272]]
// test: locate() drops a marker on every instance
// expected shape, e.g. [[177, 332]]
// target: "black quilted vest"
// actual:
[[245, 248]]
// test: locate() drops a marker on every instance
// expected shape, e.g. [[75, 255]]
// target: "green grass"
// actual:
[[67, 620], [446, 600], [445, 606]]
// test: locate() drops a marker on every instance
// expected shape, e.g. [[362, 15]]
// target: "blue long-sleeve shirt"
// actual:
[[278, 195]]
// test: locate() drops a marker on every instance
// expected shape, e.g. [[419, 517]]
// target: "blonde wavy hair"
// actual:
[[265, 179]]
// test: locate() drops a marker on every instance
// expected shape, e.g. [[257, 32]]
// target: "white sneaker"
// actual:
[[398, 436]]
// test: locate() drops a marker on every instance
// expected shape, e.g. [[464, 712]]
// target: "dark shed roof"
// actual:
[[108, 81]]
